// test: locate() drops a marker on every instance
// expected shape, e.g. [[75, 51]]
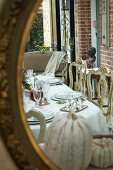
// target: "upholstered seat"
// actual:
[[38, 61]]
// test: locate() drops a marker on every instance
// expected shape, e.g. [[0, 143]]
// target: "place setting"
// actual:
[[52, 80], [49, 116], [40, 96], [74, 104], [55, 81], [74, 100], [67, 95]]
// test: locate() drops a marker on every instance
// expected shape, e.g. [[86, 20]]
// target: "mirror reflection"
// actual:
[[67, 93]]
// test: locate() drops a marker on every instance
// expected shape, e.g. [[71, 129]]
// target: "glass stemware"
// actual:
[[37, 93], [29, 72], [26, 97], [45, 89], [37, 96]]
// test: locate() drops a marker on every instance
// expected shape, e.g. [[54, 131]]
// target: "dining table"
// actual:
[[54, 108]]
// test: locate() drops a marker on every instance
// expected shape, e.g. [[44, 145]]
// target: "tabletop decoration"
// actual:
[[68, 142], [102, 155], [75, 105]]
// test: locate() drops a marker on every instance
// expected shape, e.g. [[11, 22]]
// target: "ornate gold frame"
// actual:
[[15, 20]]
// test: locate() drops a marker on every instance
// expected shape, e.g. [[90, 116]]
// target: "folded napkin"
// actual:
[[54, 62]]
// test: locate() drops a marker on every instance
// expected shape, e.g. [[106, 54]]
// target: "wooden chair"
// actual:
[[42, 121], [71, 81], [109, 113], [80, 83], [83, 80], [101, 86], [77, 84]]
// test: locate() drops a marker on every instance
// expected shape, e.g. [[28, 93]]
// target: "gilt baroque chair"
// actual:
[[40, 117], [101, 85], [80, 83], [71, 80], [109, 113]]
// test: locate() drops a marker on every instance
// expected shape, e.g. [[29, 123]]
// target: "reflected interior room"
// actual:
[[67, 83]]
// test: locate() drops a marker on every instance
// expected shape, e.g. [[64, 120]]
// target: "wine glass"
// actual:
[[37, 93], [45, 89], [29, 72], [37, 96], [26, 97]]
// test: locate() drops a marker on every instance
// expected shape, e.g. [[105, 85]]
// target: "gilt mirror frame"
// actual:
[[16, 17]]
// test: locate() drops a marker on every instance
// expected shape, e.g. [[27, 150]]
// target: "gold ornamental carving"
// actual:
[[11, 16]]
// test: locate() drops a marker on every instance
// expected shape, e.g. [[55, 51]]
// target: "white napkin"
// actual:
[[54, 62]]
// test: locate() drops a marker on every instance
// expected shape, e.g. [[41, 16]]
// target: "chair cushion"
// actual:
[[36, 60]]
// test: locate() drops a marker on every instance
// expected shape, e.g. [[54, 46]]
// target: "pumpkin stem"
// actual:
[[71, 116]]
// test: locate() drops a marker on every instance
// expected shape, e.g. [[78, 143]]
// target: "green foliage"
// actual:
[[36, 42], [41, 48]]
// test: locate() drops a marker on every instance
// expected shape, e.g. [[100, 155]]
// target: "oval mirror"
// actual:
[[16, 17]]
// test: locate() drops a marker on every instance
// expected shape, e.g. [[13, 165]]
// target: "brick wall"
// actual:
[[82, 26], [106, 52]]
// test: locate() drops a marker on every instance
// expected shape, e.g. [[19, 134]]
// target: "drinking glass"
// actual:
[[37, 84], [26, 97], [37, 96], [45, 89], [29, 72], [37, 93]]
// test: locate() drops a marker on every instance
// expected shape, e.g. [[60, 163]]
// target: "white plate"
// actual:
[[47, 114], [53, 80], [49, 79], [35, 121], [68, 95]]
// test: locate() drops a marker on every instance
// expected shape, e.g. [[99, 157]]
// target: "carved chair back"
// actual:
[[40, 117], [101, 85], [80, 83], [71, 80], [109, 113]]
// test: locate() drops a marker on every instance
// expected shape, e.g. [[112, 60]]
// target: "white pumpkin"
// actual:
[[68, 142], [102, 156]]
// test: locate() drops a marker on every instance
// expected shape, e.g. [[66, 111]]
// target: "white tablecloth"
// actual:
[[92, 114]]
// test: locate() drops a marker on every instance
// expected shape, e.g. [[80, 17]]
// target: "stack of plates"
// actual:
[[54, 81], [50, 79], [48, 118], [66, 95]]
